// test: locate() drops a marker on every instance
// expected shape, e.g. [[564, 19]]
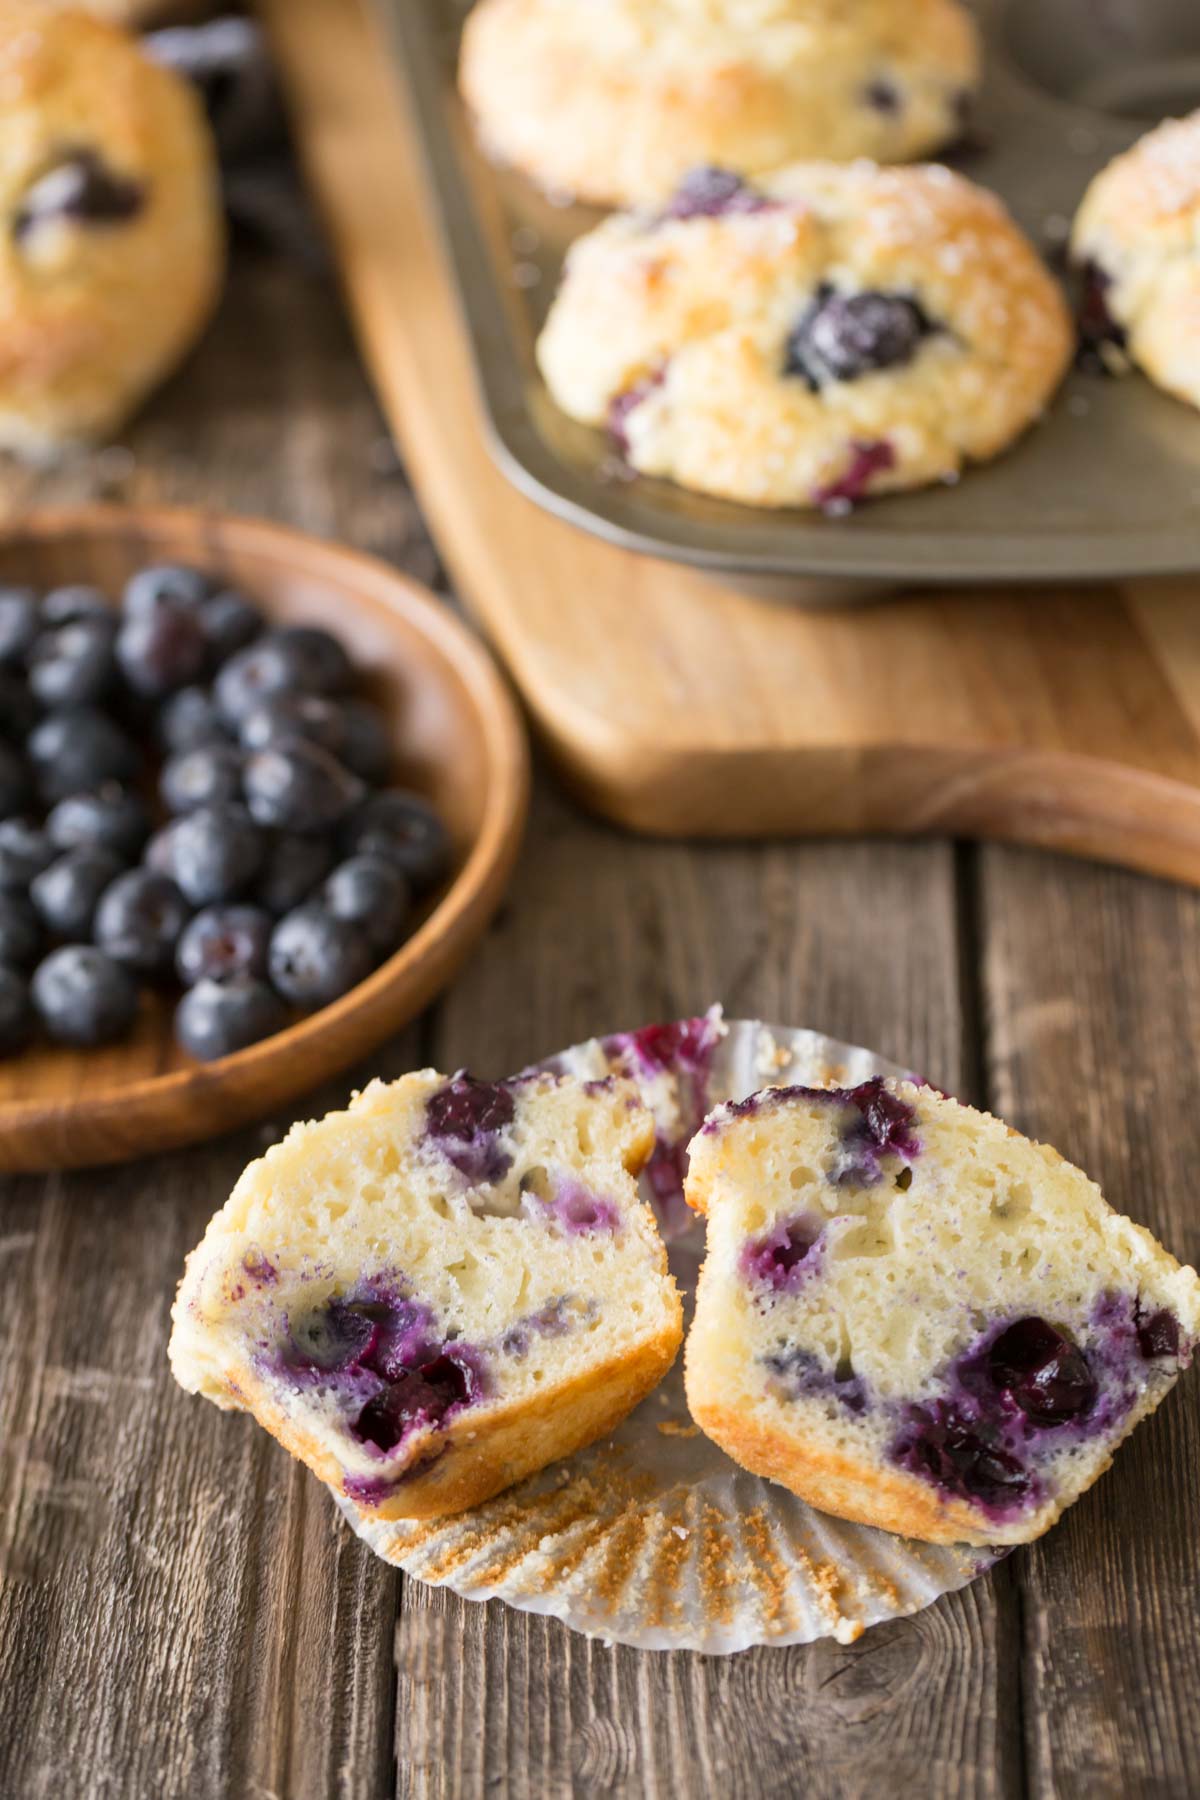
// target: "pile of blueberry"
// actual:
[[188, 795]]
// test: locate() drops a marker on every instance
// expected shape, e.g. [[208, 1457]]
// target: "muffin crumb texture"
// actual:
[[439, 1290], [914, 1317]]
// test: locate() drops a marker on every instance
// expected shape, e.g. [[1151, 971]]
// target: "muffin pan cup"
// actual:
[[1107, 485], [654, 1537]]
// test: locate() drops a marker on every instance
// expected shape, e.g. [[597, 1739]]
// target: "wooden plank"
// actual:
[[600, 932], [180, 1614], [1093, 994]]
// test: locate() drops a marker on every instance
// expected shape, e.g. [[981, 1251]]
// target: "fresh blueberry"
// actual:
[[216, 1018], [366, 744], [318, 660], [79, 748], [20, 932], [314, 958], [405, 830], [299, 659], [161, 650], [67, 893], [210, 774], [712, 193], [1045, 1374], [165, 584], [189, 719], [18, 709], [67, 605], [16, 1012], [25, 850], [230, 622], [80, 187], [311, 716], [294, 867], [159, 850], [296, 786], [139, 919], [110, 815], [352, 730], [74, 664], [373, 896], [213, 853], [841, 337], [83, 997], [223, 941], [248, 678], [20, 622], [14, 782]]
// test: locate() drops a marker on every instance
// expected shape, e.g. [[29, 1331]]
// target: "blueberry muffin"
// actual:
[[825, 333], [439, 1290], [613, 101], [1137, 242], [913, 1317], [112, 250]]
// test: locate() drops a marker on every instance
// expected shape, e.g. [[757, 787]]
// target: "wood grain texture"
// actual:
[[678, 706], [455, 736]]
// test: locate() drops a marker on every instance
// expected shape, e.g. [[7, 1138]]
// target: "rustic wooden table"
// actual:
[[182, 1613]]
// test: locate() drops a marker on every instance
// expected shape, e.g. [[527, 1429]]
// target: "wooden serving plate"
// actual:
[[457, 738], [1064, 717]]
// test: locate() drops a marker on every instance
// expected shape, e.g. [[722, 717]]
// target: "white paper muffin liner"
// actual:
[[654, 1537]]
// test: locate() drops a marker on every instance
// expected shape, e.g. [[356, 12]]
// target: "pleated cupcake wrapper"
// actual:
[[654, 1537]]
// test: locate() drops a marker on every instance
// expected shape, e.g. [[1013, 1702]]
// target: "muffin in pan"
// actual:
[[1137, 242], [613, 101], [916, 1318], [828, 332], [113, 245]]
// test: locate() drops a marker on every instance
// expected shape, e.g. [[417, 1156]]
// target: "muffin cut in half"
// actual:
[[914, 1317], [439, 1290]]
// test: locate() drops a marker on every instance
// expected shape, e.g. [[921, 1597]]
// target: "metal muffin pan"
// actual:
[[1106, 486]]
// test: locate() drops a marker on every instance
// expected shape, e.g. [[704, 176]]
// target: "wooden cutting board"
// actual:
[[1068, 718]]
